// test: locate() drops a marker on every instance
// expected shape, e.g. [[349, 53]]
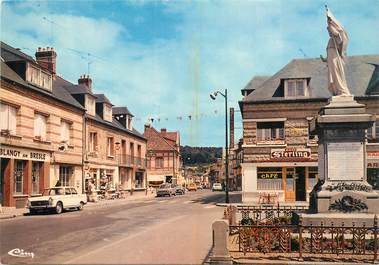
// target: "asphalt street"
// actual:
[[174, 230]]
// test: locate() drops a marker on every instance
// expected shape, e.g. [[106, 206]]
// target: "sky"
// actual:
[[162, 59]]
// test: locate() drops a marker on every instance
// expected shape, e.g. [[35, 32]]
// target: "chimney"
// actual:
[[147, 126], [163, 130], [85, 80], [47, 58]]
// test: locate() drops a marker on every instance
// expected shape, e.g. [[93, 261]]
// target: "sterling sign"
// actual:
[[291, 154]]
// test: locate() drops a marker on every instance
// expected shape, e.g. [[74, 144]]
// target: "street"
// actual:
[[158, 230]]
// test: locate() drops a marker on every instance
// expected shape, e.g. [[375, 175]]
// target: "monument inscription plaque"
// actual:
[[345, 161]]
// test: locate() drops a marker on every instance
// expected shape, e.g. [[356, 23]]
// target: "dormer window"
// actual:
[[107, 112], [129, 122], [296, 88], [39, 77], [90, 105]]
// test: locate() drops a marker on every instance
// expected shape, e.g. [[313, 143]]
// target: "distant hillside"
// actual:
[[200, 155]]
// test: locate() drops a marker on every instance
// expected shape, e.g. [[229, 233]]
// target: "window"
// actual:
[[65, 131], [296, 88], [90, 105], [159, 162], [312, 177], [8, 118], [73, 191], [39, 77], [92, 141], [36, 169], [129, 122], [40, 127], [19, 176], [107, 112], [269, 178], [65, 175], [110, 146], [373, 133], [270, 131]]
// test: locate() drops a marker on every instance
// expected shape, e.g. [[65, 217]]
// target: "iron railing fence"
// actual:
[[320, 242], [129, 160]]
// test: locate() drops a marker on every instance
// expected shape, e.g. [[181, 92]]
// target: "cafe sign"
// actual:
[[291, 154], [24, 154]]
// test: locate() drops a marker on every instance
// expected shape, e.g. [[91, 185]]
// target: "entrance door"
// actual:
[[290, 184], [300, 184], [4, 164]]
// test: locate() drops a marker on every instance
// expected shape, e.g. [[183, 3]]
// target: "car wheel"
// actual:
[[58, 208], [81, 205]]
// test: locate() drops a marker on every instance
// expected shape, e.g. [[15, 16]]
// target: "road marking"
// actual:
[[148, 201], [162, 201], [209, 206], [186, 202], [124, 239]]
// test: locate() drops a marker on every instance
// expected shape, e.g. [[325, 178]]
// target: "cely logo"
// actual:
[[17, 252]]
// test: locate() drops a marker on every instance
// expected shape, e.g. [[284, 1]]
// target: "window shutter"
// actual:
[[4, 121]]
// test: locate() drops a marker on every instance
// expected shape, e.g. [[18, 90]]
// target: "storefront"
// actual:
[[24, 173], [373, 169], [104, 178], [139, 182]]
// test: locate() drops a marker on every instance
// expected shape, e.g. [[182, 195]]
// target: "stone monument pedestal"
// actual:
[[343, 195]]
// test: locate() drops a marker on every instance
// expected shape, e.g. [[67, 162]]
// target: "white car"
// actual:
[[57, 199], [217, 186]]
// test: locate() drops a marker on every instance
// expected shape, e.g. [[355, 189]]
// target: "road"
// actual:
[[174, 230]]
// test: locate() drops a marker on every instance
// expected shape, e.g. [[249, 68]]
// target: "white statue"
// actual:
[[336, 52]]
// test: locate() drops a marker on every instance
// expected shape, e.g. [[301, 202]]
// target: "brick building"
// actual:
[[280, 158], [163, 151], [115, 153], [41, 127]]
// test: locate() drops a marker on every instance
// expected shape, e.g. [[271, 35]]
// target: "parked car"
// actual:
[[192, 186], [57, 199], [166, 189], [217, 187], [179, 190]]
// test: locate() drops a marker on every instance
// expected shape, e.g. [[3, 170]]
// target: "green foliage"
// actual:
[[200, 155]]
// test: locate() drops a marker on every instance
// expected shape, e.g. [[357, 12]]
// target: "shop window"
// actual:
[[65, 131], [295, 88], [110, 146], [373, 133], [270, 131], [92, 141], [373, 177], [159, 162], [19, 176], [40, 127], [65, 175], [269, 178], [36, 169], [8, 117], [139, 180], [312, 177]]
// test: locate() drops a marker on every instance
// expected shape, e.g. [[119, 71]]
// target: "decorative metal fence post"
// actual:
[[375, 238], [300, 229]]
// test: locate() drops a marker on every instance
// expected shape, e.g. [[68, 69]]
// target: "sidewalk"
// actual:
[[12, 212]]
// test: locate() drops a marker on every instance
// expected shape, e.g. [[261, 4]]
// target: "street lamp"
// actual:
[[213, 97]]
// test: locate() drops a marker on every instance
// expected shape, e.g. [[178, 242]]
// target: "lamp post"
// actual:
[[225, 95]]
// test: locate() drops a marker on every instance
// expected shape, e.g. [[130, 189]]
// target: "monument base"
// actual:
[[338, 219]]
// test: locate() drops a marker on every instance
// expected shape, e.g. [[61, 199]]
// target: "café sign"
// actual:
[[291, 154], [25, 154]]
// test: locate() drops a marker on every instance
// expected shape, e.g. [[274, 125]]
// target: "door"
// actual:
[[290, 174], [3, 164], [300, 189]]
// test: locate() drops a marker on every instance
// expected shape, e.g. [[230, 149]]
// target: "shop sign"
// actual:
[[267, 175], [373, 159], [291, 154], [24, 154]]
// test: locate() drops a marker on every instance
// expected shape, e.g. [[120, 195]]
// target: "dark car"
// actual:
[[179, 190]]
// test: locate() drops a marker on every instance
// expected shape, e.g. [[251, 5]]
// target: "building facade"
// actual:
[[41, 128], [280, 156], [163, 151]]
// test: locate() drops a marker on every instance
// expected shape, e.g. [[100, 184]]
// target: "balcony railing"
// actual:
[[129, 160]]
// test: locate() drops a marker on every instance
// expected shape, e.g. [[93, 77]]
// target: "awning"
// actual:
[[156, 178]]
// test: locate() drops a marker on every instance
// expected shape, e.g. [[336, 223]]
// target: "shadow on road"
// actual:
[[219, 197]]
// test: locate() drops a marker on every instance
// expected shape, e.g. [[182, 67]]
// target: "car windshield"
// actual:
[[53, 192], [164, 186]]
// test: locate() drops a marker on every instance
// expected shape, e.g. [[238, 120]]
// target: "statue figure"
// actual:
[[336, 56]]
